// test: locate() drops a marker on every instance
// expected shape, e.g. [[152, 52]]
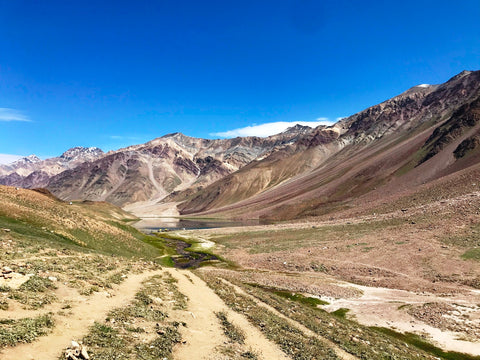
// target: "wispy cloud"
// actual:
[[268, 129], [7, 114], [9, 158], [121, 137]]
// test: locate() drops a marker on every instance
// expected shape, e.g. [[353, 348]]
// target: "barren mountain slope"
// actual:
[[383, 146], [174, 162]]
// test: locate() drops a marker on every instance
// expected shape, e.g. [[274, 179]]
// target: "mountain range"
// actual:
[[427, 134]]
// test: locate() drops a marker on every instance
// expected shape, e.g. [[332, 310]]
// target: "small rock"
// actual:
[[84, 353], [76, 351], [52, 278]]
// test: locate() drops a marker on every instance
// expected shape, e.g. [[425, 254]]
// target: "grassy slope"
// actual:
[[40, 218]]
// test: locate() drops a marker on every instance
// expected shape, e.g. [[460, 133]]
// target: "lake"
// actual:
[[154, 224]]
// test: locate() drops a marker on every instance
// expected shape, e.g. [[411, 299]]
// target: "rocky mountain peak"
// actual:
[[297, 129], [81, 153], [171, 135], [31, 159], [462, 75]]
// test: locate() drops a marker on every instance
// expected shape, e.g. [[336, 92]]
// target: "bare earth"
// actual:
[[73, 327], [402, 267], [203, 333], [203, 337]]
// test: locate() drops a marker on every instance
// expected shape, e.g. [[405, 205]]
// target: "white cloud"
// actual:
[[121, 137], [9, 158], [264, 130], [7, 114]]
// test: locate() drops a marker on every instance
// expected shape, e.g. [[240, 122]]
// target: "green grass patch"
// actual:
[[105, 343], [307, 300], [13, 332], [341, 313], [367, 248], [472, 254], [31, 233], [37, 284], [231, 331], [159, 348], [420, 343], [34, 293]]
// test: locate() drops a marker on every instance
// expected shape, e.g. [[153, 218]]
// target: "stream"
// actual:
[[186, 259]]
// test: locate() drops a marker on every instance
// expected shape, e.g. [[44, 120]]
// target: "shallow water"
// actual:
[[187, 259], [155, 224]]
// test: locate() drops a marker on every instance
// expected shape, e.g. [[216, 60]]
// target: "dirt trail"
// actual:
[[75, 325], [204, 333], [340, 352]]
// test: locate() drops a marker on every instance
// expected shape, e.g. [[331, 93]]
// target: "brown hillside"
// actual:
[[386, 148]]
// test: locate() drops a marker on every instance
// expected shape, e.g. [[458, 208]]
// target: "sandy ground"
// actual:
[[152, 209], [203, 333], [386, 308]]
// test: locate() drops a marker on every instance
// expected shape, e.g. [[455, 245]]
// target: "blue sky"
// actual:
[[115, 73]]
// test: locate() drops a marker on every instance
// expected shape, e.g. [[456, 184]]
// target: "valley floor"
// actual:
[[409, 267], [393, 283]]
